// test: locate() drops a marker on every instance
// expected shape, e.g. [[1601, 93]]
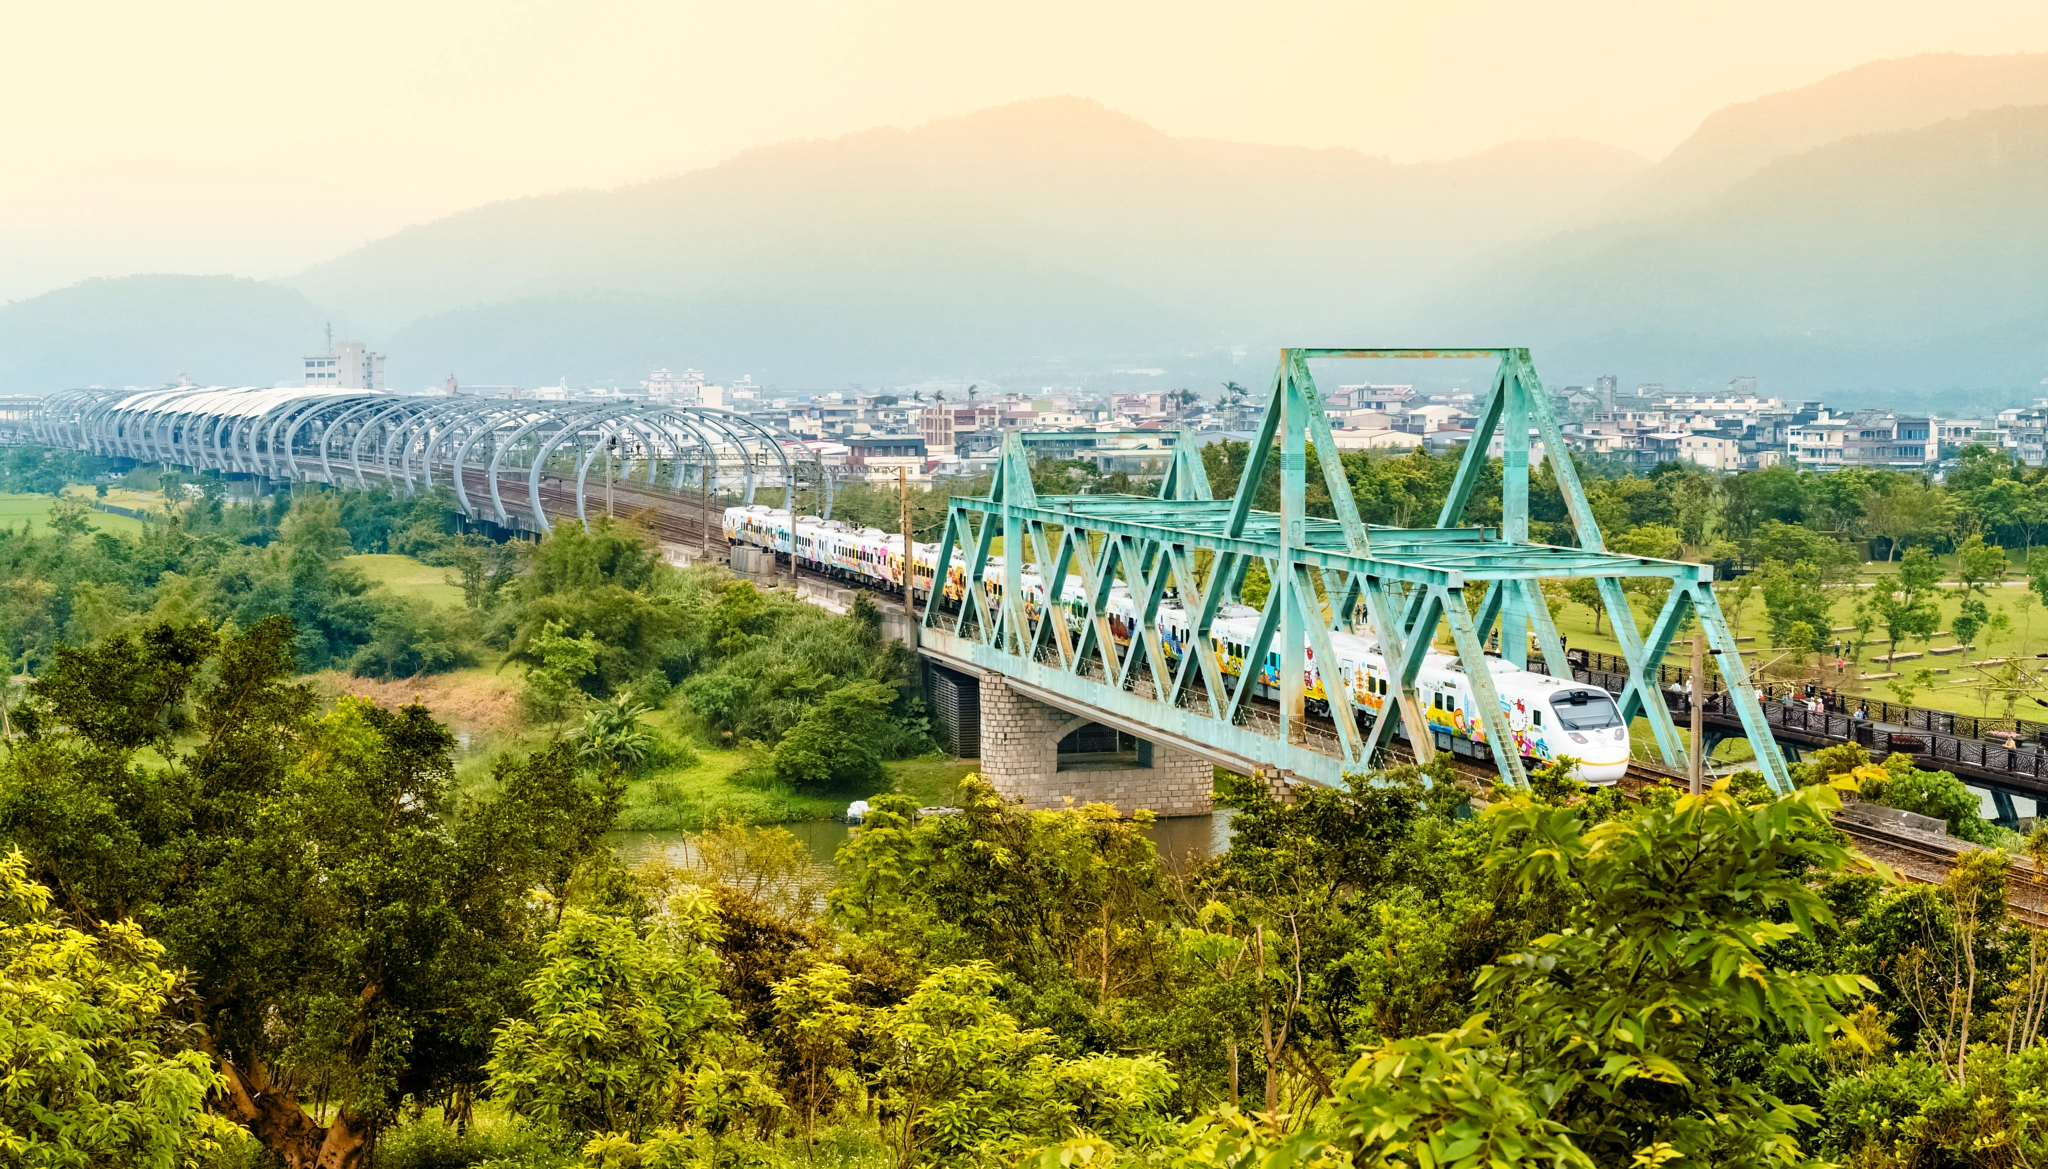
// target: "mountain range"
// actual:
[[1881, 232]]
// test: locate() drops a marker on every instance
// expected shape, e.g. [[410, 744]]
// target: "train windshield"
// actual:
[[1585, 710]]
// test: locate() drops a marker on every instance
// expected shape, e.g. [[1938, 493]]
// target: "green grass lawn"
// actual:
[[1957, 685], [408, 577], [144, 501], [741, 785], [18, 509]]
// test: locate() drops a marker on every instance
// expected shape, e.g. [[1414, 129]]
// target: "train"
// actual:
[[1548, 717]]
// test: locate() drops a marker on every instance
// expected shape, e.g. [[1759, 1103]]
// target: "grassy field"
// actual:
[[151, 502], [409, 577], [17, 509], [713, 785], [1958, 685], [741, 785]]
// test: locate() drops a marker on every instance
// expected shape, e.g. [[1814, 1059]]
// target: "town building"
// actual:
[[1866, 438], [347, 365]]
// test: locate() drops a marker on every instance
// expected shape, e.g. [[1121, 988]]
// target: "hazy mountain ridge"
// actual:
[[1245, 240], [1906, 93], [146, 330], [1884, 261], [1057, 235]]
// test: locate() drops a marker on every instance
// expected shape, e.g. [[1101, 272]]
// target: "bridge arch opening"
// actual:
[[1094, 747]]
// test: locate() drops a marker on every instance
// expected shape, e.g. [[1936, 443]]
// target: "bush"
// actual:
[[838, 740], [431, 1143], [410, 639], [1932, 793]]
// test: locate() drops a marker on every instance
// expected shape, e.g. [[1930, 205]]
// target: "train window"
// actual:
[[1585, 710], [1538, 719]]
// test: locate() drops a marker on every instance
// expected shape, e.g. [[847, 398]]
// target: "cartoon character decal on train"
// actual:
[[1547, 717]]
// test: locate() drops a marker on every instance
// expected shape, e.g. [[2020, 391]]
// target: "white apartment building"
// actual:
[[1867, 438], [1711, 451], [1817, 445], [682, 389], [347, 365]]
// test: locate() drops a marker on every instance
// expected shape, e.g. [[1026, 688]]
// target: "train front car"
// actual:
[[1550, 718], [1594, 734]]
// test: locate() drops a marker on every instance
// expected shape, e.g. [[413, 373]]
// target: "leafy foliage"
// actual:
[[615, 1008], [347, 929], [94, 1073]]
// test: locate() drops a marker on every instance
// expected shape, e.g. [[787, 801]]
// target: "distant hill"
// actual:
[[1044, 229], [1879, 233], [146, 330], [1915, 260], [1908, 93]]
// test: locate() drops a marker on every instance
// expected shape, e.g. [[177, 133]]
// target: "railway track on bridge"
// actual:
[[1911, 855]]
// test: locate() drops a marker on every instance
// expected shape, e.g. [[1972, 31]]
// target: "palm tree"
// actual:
[[613, 734]]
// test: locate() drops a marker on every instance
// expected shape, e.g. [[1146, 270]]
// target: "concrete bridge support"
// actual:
[[1020, 755]]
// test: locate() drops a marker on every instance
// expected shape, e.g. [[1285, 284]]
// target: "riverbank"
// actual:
[[740, 784]]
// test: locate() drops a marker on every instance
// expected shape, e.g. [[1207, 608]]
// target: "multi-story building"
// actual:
[[2026, 432], [347, 365], [1715, 452], [1880, 438], [1817, 445], [1956, 433], [1867, 438], [936, 425], [880, 456], [1367, 396], [1603, 390]]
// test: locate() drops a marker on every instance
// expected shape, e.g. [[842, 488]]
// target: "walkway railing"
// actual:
[[1589, 665], [1999, 750]]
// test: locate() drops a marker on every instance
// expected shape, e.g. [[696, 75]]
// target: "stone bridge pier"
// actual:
[[1022, 754]]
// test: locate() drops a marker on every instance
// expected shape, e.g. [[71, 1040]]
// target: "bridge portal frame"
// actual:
[[1325, 575]]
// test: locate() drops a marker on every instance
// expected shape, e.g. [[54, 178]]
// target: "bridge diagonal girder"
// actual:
[[1326, 574]]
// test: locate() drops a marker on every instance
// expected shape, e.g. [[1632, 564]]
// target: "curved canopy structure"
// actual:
[[511, 462]]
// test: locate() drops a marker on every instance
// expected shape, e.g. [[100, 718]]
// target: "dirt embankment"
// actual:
[[476, 703]]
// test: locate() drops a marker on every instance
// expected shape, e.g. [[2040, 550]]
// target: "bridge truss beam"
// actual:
[[1325, 574]]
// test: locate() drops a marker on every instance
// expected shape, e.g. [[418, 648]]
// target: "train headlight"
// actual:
[[1576, 737], [1620, 733]]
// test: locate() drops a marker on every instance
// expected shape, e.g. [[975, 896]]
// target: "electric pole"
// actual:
[[1696, 773], [909, 578]]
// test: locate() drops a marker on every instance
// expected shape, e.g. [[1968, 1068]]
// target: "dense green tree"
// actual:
[[964, 1081], [1606, 1042], [351, 940], [87, 1029], [1794, 596], [1910, 608], [617, 1010], [839, 740]]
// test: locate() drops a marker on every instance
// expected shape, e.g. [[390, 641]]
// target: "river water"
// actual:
[[1179, 839]]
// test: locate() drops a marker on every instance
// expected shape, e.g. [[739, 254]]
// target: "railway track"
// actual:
[[1913, 856]]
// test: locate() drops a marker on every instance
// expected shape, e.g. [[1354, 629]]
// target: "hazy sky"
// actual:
[[257, 138]]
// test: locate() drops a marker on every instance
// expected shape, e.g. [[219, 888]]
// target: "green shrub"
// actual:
[[410, 639], [838, 740]]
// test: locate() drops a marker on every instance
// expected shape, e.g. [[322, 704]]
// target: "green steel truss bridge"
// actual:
[[1326, 574]]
